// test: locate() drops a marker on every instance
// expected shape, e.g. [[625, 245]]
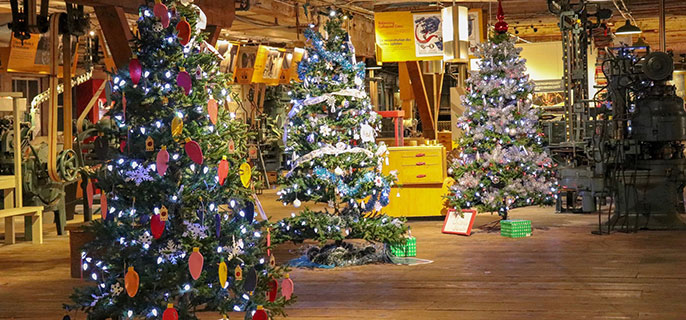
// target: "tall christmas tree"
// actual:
[[501, 164], [330, 142], [178, 233]]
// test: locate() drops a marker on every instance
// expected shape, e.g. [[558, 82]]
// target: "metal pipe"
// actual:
[[662, 31]]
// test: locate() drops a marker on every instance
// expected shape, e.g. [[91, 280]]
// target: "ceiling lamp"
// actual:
[[628, 28]]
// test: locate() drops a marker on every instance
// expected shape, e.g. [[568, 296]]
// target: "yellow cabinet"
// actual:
[[421, 171]]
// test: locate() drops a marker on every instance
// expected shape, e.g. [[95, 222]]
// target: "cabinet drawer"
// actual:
[[427, 173]]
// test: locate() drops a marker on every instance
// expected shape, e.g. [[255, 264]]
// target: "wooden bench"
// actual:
[[36, 220]]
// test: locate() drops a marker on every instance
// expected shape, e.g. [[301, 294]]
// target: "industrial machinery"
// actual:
[[626, 143]]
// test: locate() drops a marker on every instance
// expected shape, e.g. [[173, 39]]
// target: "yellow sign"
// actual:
[[407, 36], [268, 65]]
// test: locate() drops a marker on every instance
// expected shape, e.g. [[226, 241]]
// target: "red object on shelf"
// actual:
[[397, 116]]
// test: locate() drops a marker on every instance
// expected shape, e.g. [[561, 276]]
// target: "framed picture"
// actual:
[[428, 34], [475, 24], [456, 223]]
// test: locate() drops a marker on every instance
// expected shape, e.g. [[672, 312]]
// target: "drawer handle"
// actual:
[[421, 176], [421, 163], [419, 155]]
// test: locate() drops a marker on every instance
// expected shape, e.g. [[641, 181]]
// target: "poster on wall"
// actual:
[[229, 52], [246, 64], [428, 34], [475, 27], [268, 65]]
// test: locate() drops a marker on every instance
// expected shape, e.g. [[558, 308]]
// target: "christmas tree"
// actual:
[[501, 164], [178, 233], [330, 142]]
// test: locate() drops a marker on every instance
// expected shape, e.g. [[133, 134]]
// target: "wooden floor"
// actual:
[[561, 272]]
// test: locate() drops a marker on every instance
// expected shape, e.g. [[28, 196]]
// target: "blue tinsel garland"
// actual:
[[354, 192]]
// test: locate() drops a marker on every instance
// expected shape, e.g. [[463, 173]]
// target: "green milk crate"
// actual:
[[407, 249], [515, 228]]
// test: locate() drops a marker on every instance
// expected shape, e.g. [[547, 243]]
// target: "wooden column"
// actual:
[[116, 29], [406, 96], [67, 105], [424, 106]]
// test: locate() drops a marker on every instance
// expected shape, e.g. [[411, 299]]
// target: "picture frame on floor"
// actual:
[[456, 223]]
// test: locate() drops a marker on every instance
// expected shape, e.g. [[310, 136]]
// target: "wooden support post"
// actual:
[[406, 96], [10, 231], [214, 33], [419, 88], [115, 27], [67, 105], [373, 91]]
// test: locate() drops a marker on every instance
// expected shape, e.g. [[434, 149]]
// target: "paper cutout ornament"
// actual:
[[161, 12], [183, 80], [157, 27], [135, 70], [170, 313], [90, 191], [103, 208], [223, 170], [198, 73], [164, 213], [269, 241], [156, 226], [250, 280], [162, 161], [238, 273], [177, 126], [246, 173], [195, 262], [232, 146], [223, 271], [272, 261], [273, 290], [149, 144], [252, 152], [123, 105], [131, 280], [193, 151], [212, 110], [183, 29], [249, 211], [287, 287], [260, 314]]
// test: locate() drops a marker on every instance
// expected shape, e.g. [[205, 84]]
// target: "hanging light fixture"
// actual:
[[628, 28]]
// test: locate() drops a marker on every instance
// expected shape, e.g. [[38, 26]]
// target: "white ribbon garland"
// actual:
[[340, 148]]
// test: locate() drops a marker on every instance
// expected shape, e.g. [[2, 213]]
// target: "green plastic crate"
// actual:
[[515, 228], [408, 249]]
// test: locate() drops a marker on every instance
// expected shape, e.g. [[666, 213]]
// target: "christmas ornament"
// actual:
[[246, 173], [162, 161], [123, 105], [249, 211], [250, 280], [201, 22], [131, 281], [218, 225], [183, 29], [252, 152], [195, 262], [296, 203], [198, 73], [223, 170], [183, 80], [272, 261], [156, 226], [193, 151], [500, 26], [269, 241], [223, 270], [149, 144], [157, 27], [232, 146], [273, 290], [366, 133], [89, 193], [260, 314], [212, 110], [177, 126], [135, 70], [238, 273], [161, 12], [186, 2], [164, 214], [103, 207], [287, 287], [170, 313]]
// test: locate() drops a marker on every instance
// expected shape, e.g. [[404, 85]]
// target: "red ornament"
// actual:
[[135, 70], [193, 151], [170, 313], [183, 80], [162, 161], [501, 25], [103, 205], [287, 287], [161, 12], [260, 314], [184, 31], [223, 170], [156, 226], [273, 290], [195, 262], [123, 104], [212, 110], [90, 190]]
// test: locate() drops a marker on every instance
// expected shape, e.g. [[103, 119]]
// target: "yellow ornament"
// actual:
[[238, 273], [177, 126], [164, 213], [223, 270], [149, 144], [246, 173]]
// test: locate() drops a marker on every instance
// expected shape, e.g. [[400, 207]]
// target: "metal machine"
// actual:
[[626, 143]]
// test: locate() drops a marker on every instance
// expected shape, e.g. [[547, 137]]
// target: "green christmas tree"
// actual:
[[501, 164], [330, 144], [178, 225]]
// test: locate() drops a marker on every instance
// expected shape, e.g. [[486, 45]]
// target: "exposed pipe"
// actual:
[[662, 31]]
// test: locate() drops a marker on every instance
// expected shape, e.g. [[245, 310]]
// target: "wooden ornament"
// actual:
[[177, 126], [183, 29], [131, 281], [252, 152], [238, 273], [161, 12], [223, 170], [260, 314], [135, 70], [231, 146], [273, 290], [198, 73], [246, 174], [194, 151], [212, 110], [164, 214], [162, 161], [272, 261], [103, 207], [287, 287], [156, 226], [183, 80], [250, 280], [149, 144], [223, 271], [195, 262], [170, 313]]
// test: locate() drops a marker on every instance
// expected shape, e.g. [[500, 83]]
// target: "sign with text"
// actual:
[[459, 223], [407, 36]]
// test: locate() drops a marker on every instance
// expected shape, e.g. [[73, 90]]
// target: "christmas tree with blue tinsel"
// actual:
[[332, 153]]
